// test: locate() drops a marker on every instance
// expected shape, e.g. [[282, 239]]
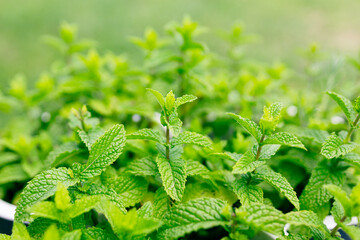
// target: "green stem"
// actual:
[[336, 228], [167, 141], [352, 128], [259, 148]]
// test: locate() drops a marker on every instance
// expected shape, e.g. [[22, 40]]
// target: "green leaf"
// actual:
[[184, 99], [147, 210], [305, 218], [130, 189], [267, 151], [46, 210], [4, 237], [104, 152], [250, 126], [352, 158], [262, 217], [62, 153], [191, 216], [173, 175], [334, 147], [62, 197], [108, 193], [161, 203], [196, 168], [345, 105], [6, 158], [147, 134], [74, 235], [52, 233], [19, 232], [174, 124], [271, 118], [90, 137], [234, 157], [187, 137], [355, 200], [247, 163], [286, 139], [158, 96], [170, 102], [95, 233], [83, 205], [248, 193], [280, 183], [314, 195], [143, 167], [41, 187], [12, 173], [341, 196]]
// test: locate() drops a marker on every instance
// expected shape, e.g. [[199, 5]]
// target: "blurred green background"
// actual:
[[284, 26]]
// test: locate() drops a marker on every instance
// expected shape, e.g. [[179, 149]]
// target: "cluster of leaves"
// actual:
[[186, 171]]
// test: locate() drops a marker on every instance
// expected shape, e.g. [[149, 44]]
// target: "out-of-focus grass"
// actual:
[[284, 26]]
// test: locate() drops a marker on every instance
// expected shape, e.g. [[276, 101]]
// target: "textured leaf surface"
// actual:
[[161, 203], [341, 196], [143, 167], [334, 147], [95, 233], [147, 134], [247, 163], [158, 96], [345, 105], [83, 205], [305, 218], [267, 151], [42, 187], [196, 168], [173, 175], [104, 151], [184, 99], [352, 158], [234, 157], [248, 193], [90, 137], [280, 183], [250, 126], [314, 194], [187, 137], [12, 173], [130, 189], [263, 217], [191, 216], [286, 139]]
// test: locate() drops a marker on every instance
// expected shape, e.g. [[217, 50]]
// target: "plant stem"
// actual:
[[336, 228], [167, 141], [259, 148], [352, 128]]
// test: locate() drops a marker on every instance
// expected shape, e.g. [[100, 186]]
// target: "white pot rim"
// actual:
[[7, 210]]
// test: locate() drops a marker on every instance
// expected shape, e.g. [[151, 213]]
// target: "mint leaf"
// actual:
[[147, 134], [191, 216], [104, 152], [306, 218], [250, 126], [196, 168], [267, 151], [62, 153], [341, 196], [184, 99], [345, 105], [280, 183], [161, 203], [143, 167], [247, 192], [158, 96], [12, 173], [271, 118], [41, 187], [314, 194], [247, 163], [334, 147], [130, 189], [262, 217], [90, 137], [187, 137], [19, 232], [352, 158], [173, 175], [286, 139]]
